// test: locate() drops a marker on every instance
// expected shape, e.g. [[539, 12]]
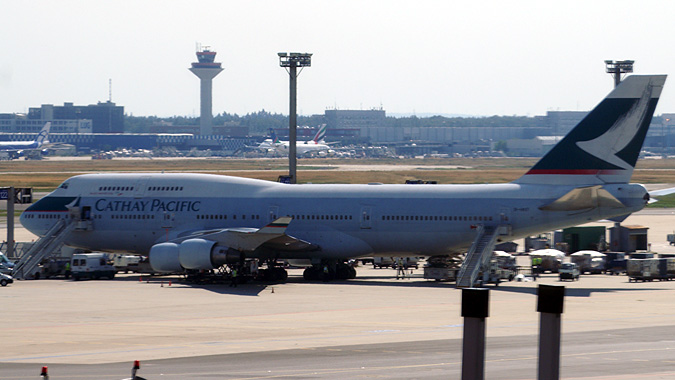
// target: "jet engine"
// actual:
[[191, 254]]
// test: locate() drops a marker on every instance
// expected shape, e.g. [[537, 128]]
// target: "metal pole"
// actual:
[[550, 306], [293, 124], [474, 311], [617, 76], [10, 222]]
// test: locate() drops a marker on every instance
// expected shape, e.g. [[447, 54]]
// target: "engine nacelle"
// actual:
[[164, 258], [191, 254], [205, 254], [196, 254]]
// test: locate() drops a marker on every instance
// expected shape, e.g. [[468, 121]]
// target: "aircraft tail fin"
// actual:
[[604, 146], [43, 136], [320, 134], [274, 137]]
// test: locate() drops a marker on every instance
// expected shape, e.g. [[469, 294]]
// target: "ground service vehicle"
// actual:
[[92, 266], [125, 262], [440, 273], [6, 265], [592, 262], [568, 271], [651, 269], [5, 279]]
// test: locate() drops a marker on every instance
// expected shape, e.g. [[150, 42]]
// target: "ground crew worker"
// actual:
[[234, 277], [326, 273], [400, 269], [536, 267], [67, 270], [254, 268]]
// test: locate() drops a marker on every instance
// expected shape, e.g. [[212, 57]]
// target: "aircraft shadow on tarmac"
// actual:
[[246, 289], [569, 292], [255, 288]]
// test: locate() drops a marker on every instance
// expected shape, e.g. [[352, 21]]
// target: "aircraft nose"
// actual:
[[25, 221]]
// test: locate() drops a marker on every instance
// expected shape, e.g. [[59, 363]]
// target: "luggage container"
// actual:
[[616, 266], [641, 255], [440, 273], [648, 270], [589, 261], [670, 267]]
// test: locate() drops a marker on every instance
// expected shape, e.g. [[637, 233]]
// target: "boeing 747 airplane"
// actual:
[[192, 222]]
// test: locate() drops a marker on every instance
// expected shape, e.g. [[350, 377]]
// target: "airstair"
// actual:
[[478, 257], [43, 247]]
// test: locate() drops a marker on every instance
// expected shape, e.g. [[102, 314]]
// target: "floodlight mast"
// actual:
[[292, 61], [616, 68]]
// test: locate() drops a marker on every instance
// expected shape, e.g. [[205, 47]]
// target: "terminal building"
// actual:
[[104, 117], [101, 126]]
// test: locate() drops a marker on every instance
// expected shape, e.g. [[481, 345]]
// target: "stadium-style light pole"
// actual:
[[291, 61], [616, 68]]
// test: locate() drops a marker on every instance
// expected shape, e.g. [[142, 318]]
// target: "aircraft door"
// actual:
[[365, 217], [85, 213], [139, 189], [167, 219], [273, 213], [504, 216]]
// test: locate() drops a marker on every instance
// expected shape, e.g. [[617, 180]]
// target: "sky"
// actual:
[[478, 58]]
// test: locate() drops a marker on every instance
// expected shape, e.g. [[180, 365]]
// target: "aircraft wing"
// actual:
[[655, 195], [271, 236], [583, 198]]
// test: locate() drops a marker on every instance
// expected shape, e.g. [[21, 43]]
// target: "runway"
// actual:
[[371, 327], [595, 355]]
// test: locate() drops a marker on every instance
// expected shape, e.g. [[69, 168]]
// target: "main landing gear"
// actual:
[[329, 270], [273, 273]]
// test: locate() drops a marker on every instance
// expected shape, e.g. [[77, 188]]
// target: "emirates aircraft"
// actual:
[[197, 222], [315, 145]]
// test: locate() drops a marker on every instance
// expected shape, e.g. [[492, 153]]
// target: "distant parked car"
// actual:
[[568, 271], [5, 279]]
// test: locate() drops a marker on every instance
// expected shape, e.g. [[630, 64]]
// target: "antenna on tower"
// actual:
[[110, 90]]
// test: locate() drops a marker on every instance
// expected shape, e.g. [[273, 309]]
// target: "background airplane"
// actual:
[[316, 145], [200, 222], [18, 148]]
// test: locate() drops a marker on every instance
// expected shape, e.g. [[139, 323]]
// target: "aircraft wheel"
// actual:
[[313, 273], [3, 282], [280, 274], [342, 272], [352, 273]]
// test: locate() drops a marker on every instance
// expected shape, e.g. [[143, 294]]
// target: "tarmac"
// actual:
[[373, 326]]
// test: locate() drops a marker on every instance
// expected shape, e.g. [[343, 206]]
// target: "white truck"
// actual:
[[125, 262], [92, 266]]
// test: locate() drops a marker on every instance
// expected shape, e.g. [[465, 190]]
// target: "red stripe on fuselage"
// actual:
[[573, 171]]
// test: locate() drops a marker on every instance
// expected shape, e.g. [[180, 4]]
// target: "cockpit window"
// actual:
[[64, 185]]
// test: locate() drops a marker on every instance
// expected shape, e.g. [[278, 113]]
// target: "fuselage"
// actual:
[[19, 145], [132, 212], [302, 147]]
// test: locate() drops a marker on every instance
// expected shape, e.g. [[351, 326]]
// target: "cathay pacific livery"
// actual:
[[192, 222]]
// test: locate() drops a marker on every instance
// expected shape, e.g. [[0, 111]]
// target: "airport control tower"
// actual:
[[206, 69]]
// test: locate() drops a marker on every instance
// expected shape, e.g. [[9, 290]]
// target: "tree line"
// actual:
[[260, 122]]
